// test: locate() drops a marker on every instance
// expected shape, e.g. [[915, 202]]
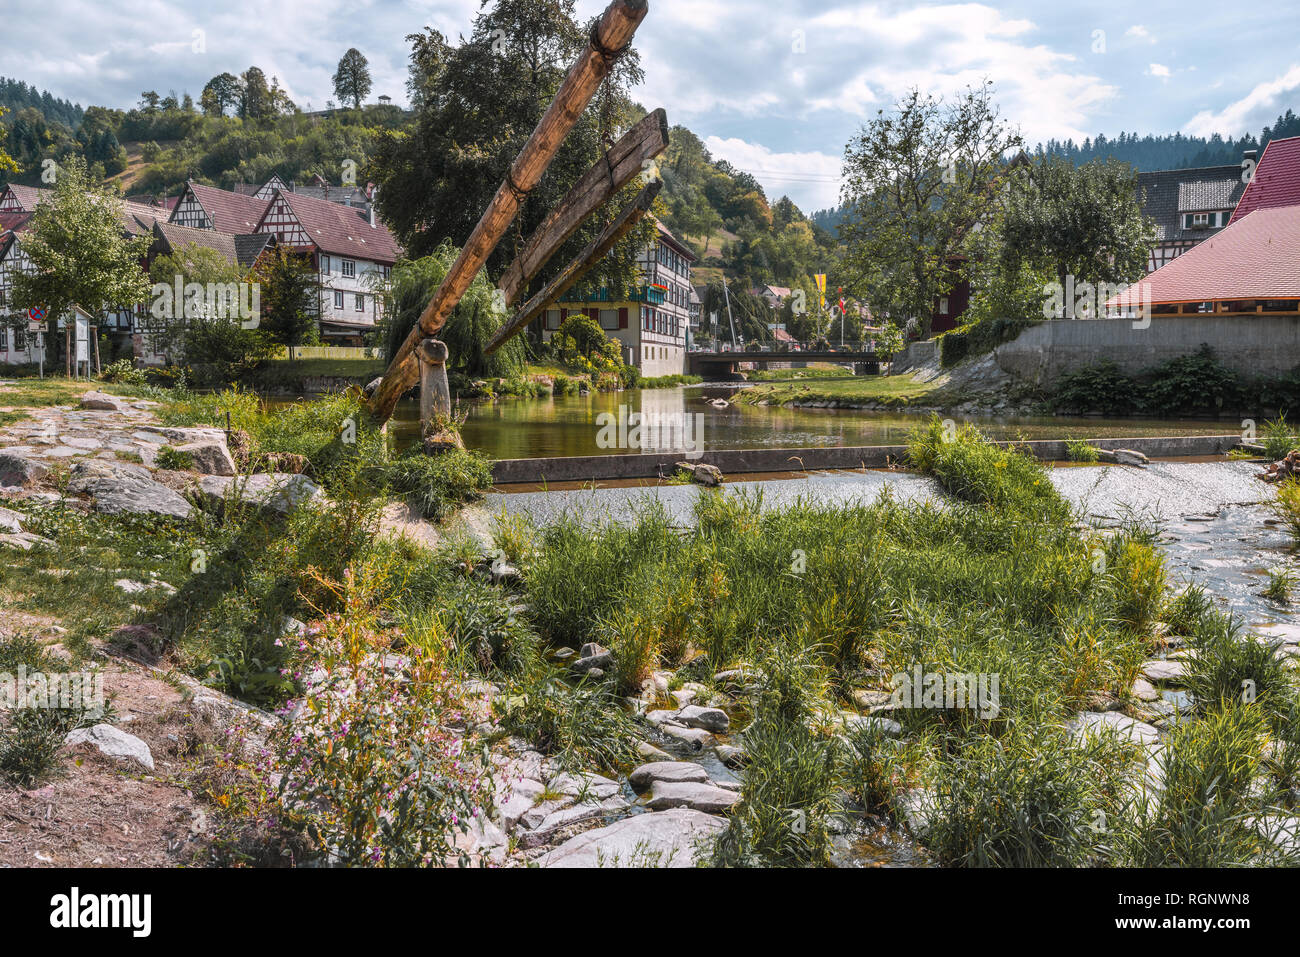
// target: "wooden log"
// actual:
[[435, 391], [585, 261], [620, 164], [609, 37]]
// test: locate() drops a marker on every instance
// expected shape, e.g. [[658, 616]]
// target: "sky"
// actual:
[[774, 88]]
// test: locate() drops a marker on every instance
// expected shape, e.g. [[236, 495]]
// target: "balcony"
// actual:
[[652, 294]]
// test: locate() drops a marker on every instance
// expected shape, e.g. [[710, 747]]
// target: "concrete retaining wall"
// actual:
[[741, 461], [915, 355], [1253, 346]]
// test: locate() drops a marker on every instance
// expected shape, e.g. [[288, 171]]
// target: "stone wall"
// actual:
[[1262, 345]]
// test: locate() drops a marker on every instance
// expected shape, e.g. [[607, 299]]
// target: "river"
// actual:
[[510, 428]]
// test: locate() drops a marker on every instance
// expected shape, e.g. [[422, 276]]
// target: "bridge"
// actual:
[[722, 363]]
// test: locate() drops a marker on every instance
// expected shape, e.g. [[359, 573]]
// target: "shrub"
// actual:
[[124, 371], [972, 468], [582, 727], [1279, 438], [1287, 506], [1079, 450], [1194, 383], [370, 763], [1100, 388], [174, 460], [1229, 667], [437, 485]]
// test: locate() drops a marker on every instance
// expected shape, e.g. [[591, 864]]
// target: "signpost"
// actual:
[[37, 325]]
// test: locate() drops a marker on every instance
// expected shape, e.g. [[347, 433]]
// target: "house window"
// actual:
[[943, 306], [349, 267], [552, 319], [4, 339], [1200, 220], [361, 303], [338, 299], [325, 265], [609, 319], [20, 340]]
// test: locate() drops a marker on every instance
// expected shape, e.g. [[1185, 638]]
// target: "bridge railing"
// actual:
[[868, 345]]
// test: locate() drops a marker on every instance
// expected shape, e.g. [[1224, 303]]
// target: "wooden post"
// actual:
[[94, 337], [609, 37], [435, 391], [67, 343]]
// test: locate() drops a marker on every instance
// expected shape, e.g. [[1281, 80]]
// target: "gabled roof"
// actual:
[[682, 249], [1256, 257], [238, 250], [1276, 181], [14, 222], [138, 219], [230, 212], [29, 197], [342, 230], [1167, 194]]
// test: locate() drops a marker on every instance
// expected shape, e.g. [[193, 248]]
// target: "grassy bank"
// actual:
[[888, 391]]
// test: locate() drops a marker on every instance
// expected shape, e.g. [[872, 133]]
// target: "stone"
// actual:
[[10, 521], [102, 401], [732, 756], [17, 468], [113, 742], [1144, 690], [710, 719], [649, 752], [916, 807], [675, 838], [209, 457], [546, 828], [583, 786], [1165, 671], [25, 541], [886, 726], [872, 700], [707, 475], [119, 487], [697, 796], [1131, 457], [1093, 722], [593, 656], [695, 739], [682, 696], [272, 491], [645, 776]]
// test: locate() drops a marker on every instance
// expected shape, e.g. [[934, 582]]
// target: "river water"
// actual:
[[510, 428]]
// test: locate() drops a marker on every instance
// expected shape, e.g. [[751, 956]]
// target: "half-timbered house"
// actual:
[[353, 254], [1188, 206], [206, 207]]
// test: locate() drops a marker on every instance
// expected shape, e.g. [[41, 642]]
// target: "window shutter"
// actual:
[[622, 318], [564, 314]]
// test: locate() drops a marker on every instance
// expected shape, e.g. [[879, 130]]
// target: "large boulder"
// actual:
[[690, 794], [647, 775], [113, 742], [710, 719], [119, 487], [675, 838], [210, 456], [103, 402], [19, 468], [273, 491]]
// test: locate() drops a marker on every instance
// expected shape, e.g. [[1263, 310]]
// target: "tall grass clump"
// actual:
[[976, 470], [1287, 507], [438, 485], [1230, 666], [791, 780], [1278, 438], [582, 726]]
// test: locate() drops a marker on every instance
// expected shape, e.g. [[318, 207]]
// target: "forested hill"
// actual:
[[16, 96], [1174, 151]]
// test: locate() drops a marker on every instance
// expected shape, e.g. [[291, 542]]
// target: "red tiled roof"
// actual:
[[1277, 179], [15, 221], [29, 196], [342, 230], [1256, 257], [229, 212]]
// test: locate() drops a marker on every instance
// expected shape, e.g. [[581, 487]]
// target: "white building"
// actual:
[[653, 323]]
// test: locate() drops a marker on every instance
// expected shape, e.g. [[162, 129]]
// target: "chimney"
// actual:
[[374, 194], [1249, 155]]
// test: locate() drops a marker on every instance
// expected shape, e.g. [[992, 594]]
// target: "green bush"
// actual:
[[437, 485], [1100, 388]]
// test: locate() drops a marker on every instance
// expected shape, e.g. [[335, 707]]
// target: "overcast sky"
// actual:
[[775, 88]]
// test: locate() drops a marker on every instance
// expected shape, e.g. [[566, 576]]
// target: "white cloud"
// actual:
[[1139, 32], [1250, 112], [1158, 70], [810, 178]]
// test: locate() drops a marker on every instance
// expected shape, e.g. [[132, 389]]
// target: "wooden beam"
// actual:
[[625, 160], [609, 37], [596, 250]]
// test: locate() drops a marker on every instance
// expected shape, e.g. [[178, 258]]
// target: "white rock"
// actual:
[[674, 838], [646, 775], [690, 794], [710, 719], [113, 742]]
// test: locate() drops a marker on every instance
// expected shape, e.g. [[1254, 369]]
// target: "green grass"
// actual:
[[892, 391]]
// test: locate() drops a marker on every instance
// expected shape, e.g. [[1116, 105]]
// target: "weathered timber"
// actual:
[[625, 160], [585, 261], [609, 37], [435, 391]]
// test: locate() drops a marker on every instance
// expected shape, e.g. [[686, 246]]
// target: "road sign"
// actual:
[[36, 313], [35, 326]]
